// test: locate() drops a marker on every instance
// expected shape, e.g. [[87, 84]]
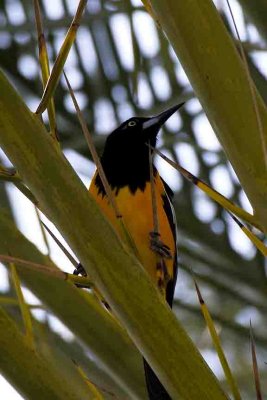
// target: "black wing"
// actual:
[[167, 198]]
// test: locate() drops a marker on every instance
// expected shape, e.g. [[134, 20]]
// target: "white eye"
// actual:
[[131, 123]]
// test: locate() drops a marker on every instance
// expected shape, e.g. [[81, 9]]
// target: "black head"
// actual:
[[126, 155]]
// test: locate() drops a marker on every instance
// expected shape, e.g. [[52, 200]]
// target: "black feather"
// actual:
[[155, 389]]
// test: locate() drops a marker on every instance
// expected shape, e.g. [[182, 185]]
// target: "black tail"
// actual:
[[155, 389]]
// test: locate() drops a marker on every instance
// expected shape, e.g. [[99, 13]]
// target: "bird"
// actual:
[[127, 167]]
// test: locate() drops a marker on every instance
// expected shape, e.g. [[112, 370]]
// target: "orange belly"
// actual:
[[136, 211]]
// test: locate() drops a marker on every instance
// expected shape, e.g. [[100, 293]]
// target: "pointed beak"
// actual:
[[158, 120]]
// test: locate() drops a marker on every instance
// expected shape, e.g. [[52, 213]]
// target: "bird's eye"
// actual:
[[131, 123]]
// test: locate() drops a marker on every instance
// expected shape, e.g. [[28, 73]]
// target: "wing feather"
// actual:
[[170, 213]]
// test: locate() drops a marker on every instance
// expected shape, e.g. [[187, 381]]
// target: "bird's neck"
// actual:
[[125, 172]]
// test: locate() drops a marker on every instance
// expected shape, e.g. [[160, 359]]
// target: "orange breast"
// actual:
[[136, 211]]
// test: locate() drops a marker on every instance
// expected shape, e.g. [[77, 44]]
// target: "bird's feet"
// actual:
[[158, 246], [79, 270]]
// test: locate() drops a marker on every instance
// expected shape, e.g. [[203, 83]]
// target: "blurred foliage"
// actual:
[[118, 69]]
